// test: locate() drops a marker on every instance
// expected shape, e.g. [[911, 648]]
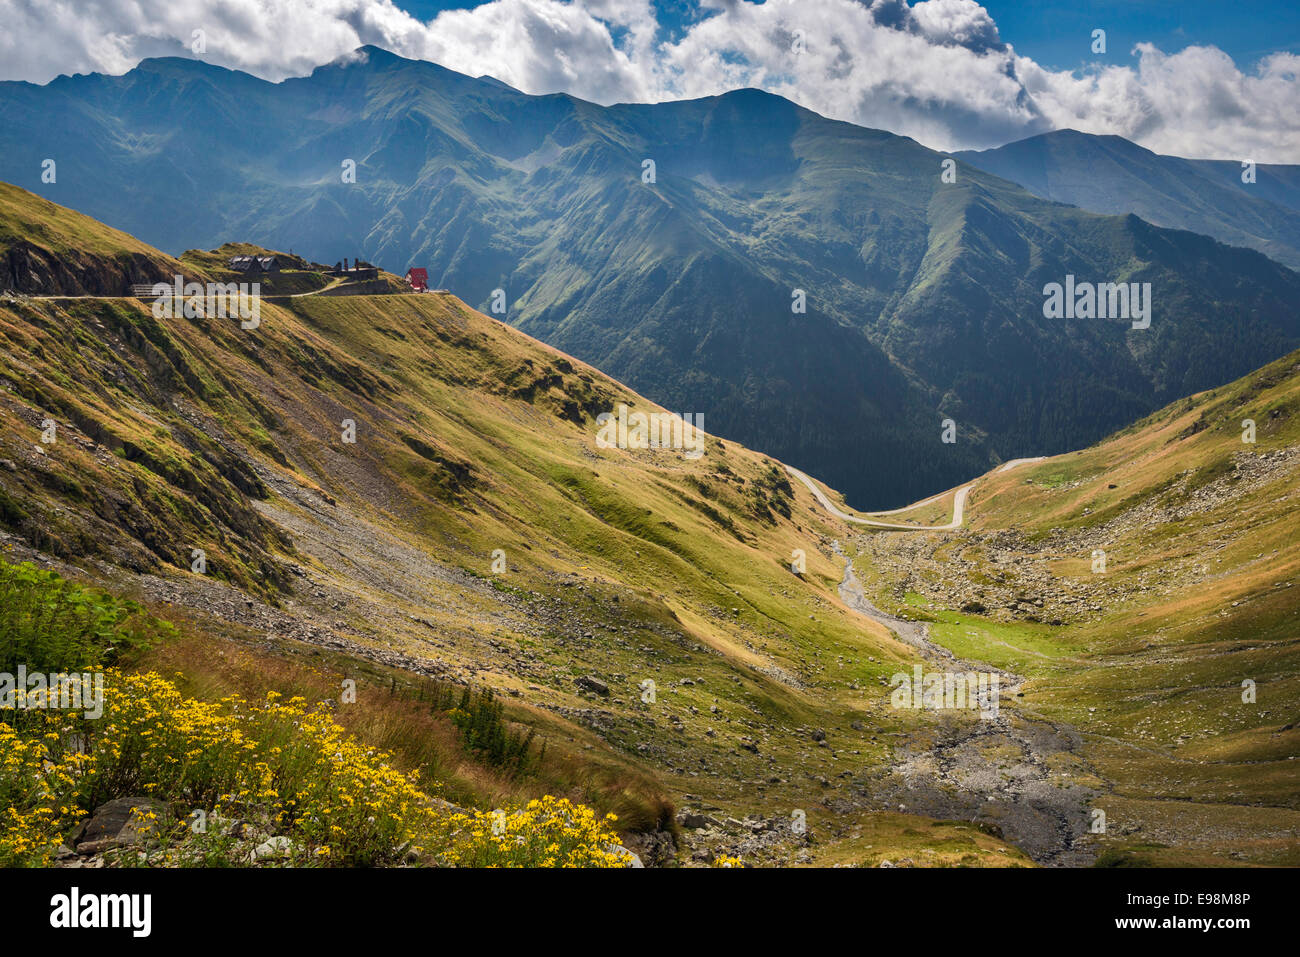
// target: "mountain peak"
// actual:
[[174, 65], [363, 56], [377, 55]]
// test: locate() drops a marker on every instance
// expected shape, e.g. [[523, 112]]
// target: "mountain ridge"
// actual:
[[923, 298], [1110, 174]]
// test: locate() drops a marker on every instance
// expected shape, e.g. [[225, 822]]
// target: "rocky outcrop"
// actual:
[[118, 823], [33, 270]]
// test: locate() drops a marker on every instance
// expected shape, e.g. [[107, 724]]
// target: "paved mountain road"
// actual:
[[958, 502]]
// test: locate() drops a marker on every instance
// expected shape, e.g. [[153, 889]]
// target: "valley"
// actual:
[[1138, 587], [636, 609]]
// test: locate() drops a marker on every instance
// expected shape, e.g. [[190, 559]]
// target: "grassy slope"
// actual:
[[1201, 543], [47, 249], [26, 217], [177, 434]]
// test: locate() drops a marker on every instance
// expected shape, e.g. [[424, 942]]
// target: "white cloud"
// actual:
[[936, 70], [957, 23], [1192, 103]]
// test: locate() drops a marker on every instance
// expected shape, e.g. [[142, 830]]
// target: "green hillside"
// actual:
[[1146, 655], [404, 492], [46, 249]]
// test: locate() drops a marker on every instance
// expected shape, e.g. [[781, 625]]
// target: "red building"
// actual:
[[418, 278]]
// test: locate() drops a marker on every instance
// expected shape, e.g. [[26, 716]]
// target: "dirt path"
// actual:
[[914, 633], [959, 506]]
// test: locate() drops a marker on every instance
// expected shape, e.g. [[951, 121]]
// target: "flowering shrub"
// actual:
[[250, 771], [37, 798], [548, 832], [280, 766], [344, 801]]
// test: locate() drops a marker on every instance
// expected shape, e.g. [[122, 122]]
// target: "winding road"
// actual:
[[958, 502]]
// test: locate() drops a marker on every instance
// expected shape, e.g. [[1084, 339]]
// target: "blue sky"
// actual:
[[1057, 33], [1049, 32]]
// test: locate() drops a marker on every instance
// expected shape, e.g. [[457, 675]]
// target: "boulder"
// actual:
[[695, 821], [273, 848], [118, 823], [592, 684]]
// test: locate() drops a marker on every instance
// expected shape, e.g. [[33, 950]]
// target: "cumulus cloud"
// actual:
[[960, 23], [1192, 103], [936, 70]]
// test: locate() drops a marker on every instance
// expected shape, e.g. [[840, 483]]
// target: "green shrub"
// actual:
[[50, 624]]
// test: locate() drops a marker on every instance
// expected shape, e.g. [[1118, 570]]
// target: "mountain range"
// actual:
[[1236, 204], [923, 298]]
